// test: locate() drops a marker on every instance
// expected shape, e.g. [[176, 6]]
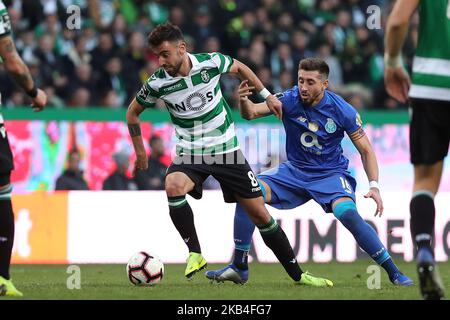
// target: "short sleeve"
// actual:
[[284, 97], [222, 61], [352, 122], [5, 22], [147, 96], [287, 99]]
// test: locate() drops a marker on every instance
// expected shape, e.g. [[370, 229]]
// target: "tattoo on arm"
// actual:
[[21, 74], [9, 46], [23, 80], [134, 129]]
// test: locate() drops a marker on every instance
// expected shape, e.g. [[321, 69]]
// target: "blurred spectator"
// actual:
[[335, 77], [262, 33], [286, 82], [156, 172], [202, 27], [281, 60], [72, 177], [81, 97], [212, 44], [50, 63], [257, 54], [16, 99], [110, 99], [76, 56], [119, 31], [52, 99], [82, 78], [112, 79], [118, 180], [103, 52], [134, 61]]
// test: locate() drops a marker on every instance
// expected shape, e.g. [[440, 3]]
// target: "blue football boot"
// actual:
[[229, 273]]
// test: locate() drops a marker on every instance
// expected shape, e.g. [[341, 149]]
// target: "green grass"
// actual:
[[267, 282]]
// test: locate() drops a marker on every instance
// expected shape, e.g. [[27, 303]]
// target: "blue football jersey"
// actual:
[[314, 134]]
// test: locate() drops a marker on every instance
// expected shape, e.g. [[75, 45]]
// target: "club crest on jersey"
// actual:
[[313, 126], [205, 76], [330, 126]]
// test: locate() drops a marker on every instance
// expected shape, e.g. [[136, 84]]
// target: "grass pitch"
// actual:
[[267, 282]]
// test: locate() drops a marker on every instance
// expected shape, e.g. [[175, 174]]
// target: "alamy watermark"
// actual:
[[374, 280], [74, 278], [374, 19], [73, 21]]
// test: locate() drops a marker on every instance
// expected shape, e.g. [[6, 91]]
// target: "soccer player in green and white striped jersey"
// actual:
[[429, 93], [18, 70], [189, 86]]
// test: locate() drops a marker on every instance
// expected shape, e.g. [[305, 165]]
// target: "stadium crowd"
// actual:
[[105, 60]]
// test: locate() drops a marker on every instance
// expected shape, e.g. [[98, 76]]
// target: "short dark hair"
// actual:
[[315, 64], [155, 138], [164, 32]]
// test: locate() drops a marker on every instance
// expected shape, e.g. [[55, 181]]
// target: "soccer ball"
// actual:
[[144, 269]]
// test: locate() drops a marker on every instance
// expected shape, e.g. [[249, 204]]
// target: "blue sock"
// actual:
[[365, 236], [243, 232]]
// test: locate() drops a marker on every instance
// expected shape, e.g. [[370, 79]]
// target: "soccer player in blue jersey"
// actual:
[[315, 120]]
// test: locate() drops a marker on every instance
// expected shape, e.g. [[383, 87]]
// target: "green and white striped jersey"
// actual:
[[431, 66], [200, 114], [5, 30]]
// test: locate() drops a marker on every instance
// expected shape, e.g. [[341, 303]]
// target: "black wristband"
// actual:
[[33, 92]]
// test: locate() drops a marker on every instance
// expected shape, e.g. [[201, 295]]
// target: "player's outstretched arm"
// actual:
[[19, 71], [134, 128], [245, 73], [369, 160], [396, 79], [250, 110]]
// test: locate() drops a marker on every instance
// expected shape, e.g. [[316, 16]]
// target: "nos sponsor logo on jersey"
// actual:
[[195, 102]]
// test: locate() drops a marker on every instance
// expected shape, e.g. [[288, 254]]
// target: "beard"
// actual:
[[309, 98], [172, 71], [306, 100]]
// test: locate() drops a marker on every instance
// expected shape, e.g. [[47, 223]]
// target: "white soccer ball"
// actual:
[[145, 269]]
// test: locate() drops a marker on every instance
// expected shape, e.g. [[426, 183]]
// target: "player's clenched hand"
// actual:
[[245, 91], [141, 163], [374, 193], [275, 106], [397, 83], [39, 101]]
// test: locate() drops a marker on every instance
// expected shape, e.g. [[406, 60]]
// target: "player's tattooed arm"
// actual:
[[15, 65], [134, 128]]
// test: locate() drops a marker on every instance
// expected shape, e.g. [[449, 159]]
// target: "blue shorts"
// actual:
[[292, 187]]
